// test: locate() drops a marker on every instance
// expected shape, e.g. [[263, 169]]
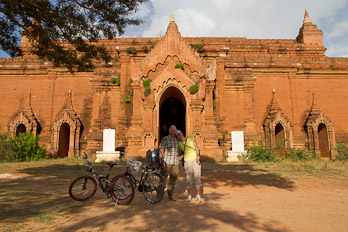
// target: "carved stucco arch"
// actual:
[[70, 117], [159, 94], [269, 128], [28, 120], [312, 125]]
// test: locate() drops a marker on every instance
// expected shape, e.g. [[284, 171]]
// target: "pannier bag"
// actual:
[[153, 159]]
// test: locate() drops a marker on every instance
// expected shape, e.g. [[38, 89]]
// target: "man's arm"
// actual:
[[161, 153]]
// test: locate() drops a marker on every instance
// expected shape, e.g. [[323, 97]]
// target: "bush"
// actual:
[[260, 153], [132, 50], [116, 80], [145, 48], [342, 149], [199, 47], [181, 66], [193, 89], [147, 82], [23, 147], [299, 154], [147, 90], [127, 100]]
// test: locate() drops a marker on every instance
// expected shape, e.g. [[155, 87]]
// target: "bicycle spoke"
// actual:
[[82, 188], [122, 190], [153, 188]]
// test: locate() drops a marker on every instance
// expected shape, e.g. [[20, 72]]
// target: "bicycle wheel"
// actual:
[[82, 188], [153, 188], [122, 190]]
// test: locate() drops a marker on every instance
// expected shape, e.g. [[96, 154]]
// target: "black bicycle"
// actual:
[[151, 183], [84, 187]]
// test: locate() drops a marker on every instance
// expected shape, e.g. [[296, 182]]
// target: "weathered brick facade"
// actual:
[[274, 90]]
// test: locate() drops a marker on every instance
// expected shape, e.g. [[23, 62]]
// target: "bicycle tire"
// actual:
[[122, 190], [82, 188], [153, 187]]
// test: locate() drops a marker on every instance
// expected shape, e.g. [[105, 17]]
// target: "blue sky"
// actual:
[[253, 19]]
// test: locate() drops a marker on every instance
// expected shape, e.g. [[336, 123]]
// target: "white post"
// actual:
[[237, 146], [108, 153]]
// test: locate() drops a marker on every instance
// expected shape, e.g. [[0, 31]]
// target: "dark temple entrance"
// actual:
[[21, 129], [172, 111], [64, 137], [280, 140], [323, 141]]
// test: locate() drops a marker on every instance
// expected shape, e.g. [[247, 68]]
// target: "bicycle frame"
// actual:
[[137, 183], [100, 179]]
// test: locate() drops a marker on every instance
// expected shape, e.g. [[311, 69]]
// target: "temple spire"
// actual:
[[172, 27], [309, 33], [306, 19]]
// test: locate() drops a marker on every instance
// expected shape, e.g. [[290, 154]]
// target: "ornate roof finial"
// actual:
[[172, 18], [306, 19], [274, 104], [159, 35], [70, 99], [314, 109], [29, 99]]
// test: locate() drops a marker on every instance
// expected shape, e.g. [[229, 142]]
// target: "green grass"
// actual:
[[314, 168]]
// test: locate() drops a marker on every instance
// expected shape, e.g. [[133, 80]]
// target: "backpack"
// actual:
[[153, 162]]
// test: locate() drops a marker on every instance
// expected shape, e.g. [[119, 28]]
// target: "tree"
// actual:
[[65, 32]]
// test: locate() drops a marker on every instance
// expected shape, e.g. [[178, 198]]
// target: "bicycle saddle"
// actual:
[[111, 164]]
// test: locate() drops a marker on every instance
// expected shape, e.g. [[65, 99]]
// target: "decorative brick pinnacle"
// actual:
[[306, 19]]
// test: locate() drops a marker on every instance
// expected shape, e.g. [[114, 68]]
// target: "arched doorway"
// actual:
[[172, 111], [280, 140], [21, 129], [63, 144], [323, 141]]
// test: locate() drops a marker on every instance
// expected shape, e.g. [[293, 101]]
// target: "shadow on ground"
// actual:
[[43, 191]]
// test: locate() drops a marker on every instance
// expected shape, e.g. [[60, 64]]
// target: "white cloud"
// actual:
[[158, 26], [200, 24], [340, 30], [338, 49], [254, 19], [222, 4]]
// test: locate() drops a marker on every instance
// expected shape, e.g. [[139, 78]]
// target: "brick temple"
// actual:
[[285, 92]]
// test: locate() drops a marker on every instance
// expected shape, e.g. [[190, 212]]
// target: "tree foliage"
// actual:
[[65, 31]]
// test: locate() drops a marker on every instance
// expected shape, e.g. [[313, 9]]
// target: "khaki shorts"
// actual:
[[193, 173]]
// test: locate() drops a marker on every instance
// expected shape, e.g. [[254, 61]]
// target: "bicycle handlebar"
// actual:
[[124, 153], [90, 163]]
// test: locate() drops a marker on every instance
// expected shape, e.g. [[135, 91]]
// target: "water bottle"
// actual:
[[153, 156]]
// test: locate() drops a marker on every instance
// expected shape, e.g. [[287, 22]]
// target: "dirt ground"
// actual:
[[236, 198]]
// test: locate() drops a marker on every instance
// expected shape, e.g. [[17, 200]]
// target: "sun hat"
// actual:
[[178, 132]]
